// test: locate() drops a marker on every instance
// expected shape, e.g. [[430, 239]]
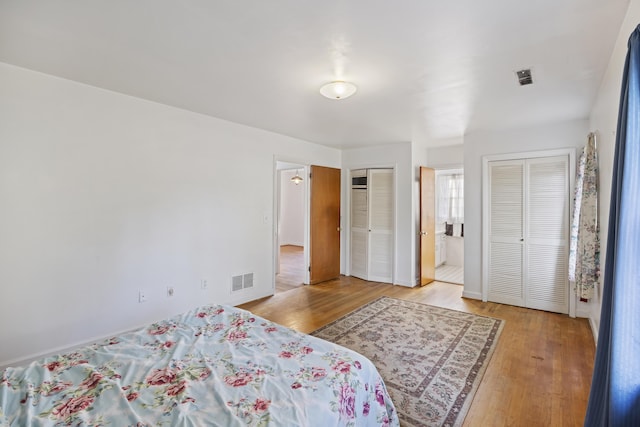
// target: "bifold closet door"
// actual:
[[359, 232], [380, 248], [506, 232], [547, 230], [528, 232]]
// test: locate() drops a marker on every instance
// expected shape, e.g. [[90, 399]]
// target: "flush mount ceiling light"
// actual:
[[338, 90], [297, 179]]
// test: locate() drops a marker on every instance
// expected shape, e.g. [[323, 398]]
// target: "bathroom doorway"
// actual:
[[449, 239]]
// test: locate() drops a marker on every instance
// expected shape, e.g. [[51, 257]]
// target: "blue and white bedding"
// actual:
[[214, 365]]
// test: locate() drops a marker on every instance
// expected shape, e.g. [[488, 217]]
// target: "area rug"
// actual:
[[431, 359]]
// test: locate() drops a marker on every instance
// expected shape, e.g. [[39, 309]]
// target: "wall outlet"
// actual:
[[204, 284], [170, 291], [142, 296]]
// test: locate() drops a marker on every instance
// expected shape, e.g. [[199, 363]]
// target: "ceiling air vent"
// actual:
[[524, 77]]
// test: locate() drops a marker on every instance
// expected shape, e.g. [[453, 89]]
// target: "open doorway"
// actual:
[[449, 241], [290, 235]]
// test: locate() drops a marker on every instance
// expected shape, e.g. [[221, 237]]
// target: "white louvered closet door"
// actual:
[[380, 248], [528, 232], [547, 249], [359, 232], [506, 231]]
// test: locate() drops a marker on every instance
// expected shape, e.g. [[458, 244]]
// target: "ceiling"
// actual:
[[427, 71]]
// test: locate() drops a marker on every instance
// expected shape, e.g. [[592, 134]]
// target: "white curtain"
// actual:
[[450, 190], [442, 191]]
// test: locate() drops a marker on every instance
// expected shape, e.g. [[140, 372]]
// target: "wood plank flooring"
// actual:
[[539, 375], [291, 274]]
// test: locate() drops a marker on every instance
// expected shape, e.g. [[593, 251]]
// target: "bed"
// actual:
[[213, 365]]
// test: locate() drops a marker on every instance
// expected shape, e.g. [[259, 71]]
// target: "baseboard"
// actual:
[[594, 330], [406, 284], [472, 295], [583, 311], [249, 297]]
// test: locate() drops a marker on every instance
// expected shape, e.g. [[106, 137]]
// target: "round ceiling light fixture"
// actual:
[[338, 90]]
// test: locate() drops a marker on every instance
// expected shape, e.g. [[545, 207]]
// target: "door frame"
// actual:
[[571, 152], [346, 193]]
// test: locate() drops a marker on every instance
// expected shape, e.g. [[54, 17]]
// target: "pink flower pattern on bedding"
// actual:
[[214, 365]]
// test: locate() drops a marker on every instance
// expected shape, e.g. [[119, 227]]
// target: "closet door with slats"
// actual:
[[546, 248], [380, 250], [506, 211], [359, 232], [528, 233]]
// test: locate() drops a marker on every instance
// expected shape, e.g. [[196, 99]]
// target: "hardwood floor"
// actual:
[[539, 375], [291, 274]]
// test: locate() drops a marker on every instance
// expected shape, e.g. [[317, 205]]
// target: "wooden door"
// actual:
[[324, 254], [427, 225]]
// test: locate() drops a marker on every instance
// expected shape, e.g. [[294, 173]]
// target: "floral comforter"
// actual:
[[215, 365]]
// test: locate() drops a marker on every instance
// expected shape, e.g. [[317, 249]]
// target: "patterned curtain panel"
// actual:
[[584, 255]]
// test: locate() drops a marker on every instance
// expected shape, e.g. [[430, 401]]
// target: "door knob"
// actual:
[[423, 233]]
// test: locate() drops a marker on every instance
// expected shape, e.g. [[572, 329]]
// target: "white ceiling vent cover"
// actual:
[[524, 77]]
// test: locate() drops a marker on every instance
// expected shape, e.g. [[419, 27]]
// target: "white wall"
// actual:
[[292, 210], [479, 144], [603, 120], [455, 251], [398, 157], [445, 157], [104, 194]]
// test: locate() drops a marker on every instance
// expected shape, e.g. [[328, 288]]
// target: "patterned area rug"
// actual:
[[431, 359]]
